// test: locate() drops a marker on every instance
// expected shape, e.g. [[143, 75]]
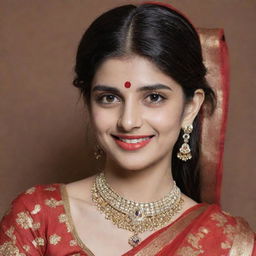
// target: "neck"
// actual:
[[144, 185]]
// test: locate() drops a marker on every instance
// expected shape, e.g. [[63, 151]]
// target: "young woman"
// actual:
[[141, 73]]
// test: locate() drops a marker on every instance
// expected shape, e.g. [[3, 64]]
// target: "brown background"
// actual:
[[43, 123]]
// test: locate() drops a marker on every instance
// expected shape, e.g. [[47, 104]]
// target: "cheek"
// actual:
[[167, 122], [102, 119]]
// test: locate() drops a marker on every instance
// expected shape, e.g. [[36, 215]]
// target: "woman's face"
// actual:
[[137, 126]]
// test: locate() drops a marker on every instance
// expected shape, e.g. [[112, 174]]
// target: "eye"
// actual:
[[107, 99], [155, 98]]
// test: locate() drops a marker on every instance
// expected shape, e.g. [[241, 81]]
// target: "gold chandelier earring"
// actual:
[[184, 153]]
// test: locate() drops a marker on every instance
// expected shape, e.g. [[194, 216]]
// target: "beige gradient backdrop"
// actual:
[[43, 123]]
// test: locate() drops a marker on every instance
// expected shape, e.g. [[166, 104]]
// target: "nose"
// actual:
[[130, 117]]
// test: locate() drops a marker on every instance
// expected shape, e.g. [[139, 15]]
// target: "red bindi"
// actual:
[[127, 84]]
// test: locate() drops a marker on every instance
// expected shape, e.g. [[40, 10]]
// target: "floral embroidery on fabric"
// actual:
[[10, 249], [30, 191], [50, 189], [222, 220], [225, 245], [54, 239], [230, 231], [53, 203], [72, 243], [10, 234], [24, 220], [36, 226], [188, 251], [26, 248], [227, 229], [37, 209], [63, 219], [194, 239], [39, 241]]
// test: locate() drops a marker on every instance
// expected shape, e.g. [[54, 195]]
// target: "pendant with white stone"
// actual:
[[134, 240], [137, 216]]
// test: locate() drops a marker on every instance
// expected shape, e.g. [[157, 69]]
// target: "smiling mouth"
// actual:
[[132, 142]]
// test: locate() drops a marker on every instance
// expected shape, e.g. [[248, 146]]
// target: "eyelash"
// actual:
[[156, 94], [100, 98]]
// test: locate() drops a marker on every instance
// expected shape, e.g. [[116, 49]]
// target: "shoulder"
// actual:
[[217, 217], [34, 201], [39, 194], [216, 232], [28, 219], [229, 231]]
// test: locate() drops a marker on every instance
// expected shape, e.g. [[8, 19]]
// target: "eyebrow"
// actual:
[[152, 87], [105, 88]]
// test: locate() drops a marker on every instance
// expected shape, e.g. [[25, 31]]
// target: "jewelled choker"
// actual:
[[134, 216]]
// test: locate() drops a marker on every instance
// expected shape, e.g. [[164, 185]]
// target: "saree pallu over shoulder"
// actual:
[[204, 230], [244, 241], [165, 236], [215, 232], [213, 128]]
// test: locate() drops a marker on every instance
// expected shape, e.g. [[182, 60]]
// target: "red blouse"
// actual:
[[39, 223]]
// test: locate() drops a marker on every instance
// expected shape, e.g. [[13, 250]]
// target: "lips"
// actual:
[[131, 143]]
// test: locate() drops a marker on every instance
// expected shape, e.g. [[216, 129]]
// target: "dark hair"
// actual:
[[166, 38]]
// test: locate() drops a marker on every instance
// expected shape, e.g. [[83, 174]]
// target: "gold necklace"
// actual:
[[134, 216]]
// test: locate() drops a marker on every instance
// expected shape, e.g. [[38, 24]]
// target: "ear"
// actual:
[[192, 107]]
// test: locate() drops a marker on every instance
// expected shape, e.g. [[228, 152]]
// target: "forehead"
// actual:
[[135, 69]]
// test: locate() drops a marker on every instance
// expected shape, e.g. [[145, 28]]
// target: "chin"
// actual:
[[129, 165], [133, 162]]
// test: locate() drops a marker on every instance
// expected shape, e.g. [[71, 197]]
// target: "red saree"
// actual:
[[39, 223]]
